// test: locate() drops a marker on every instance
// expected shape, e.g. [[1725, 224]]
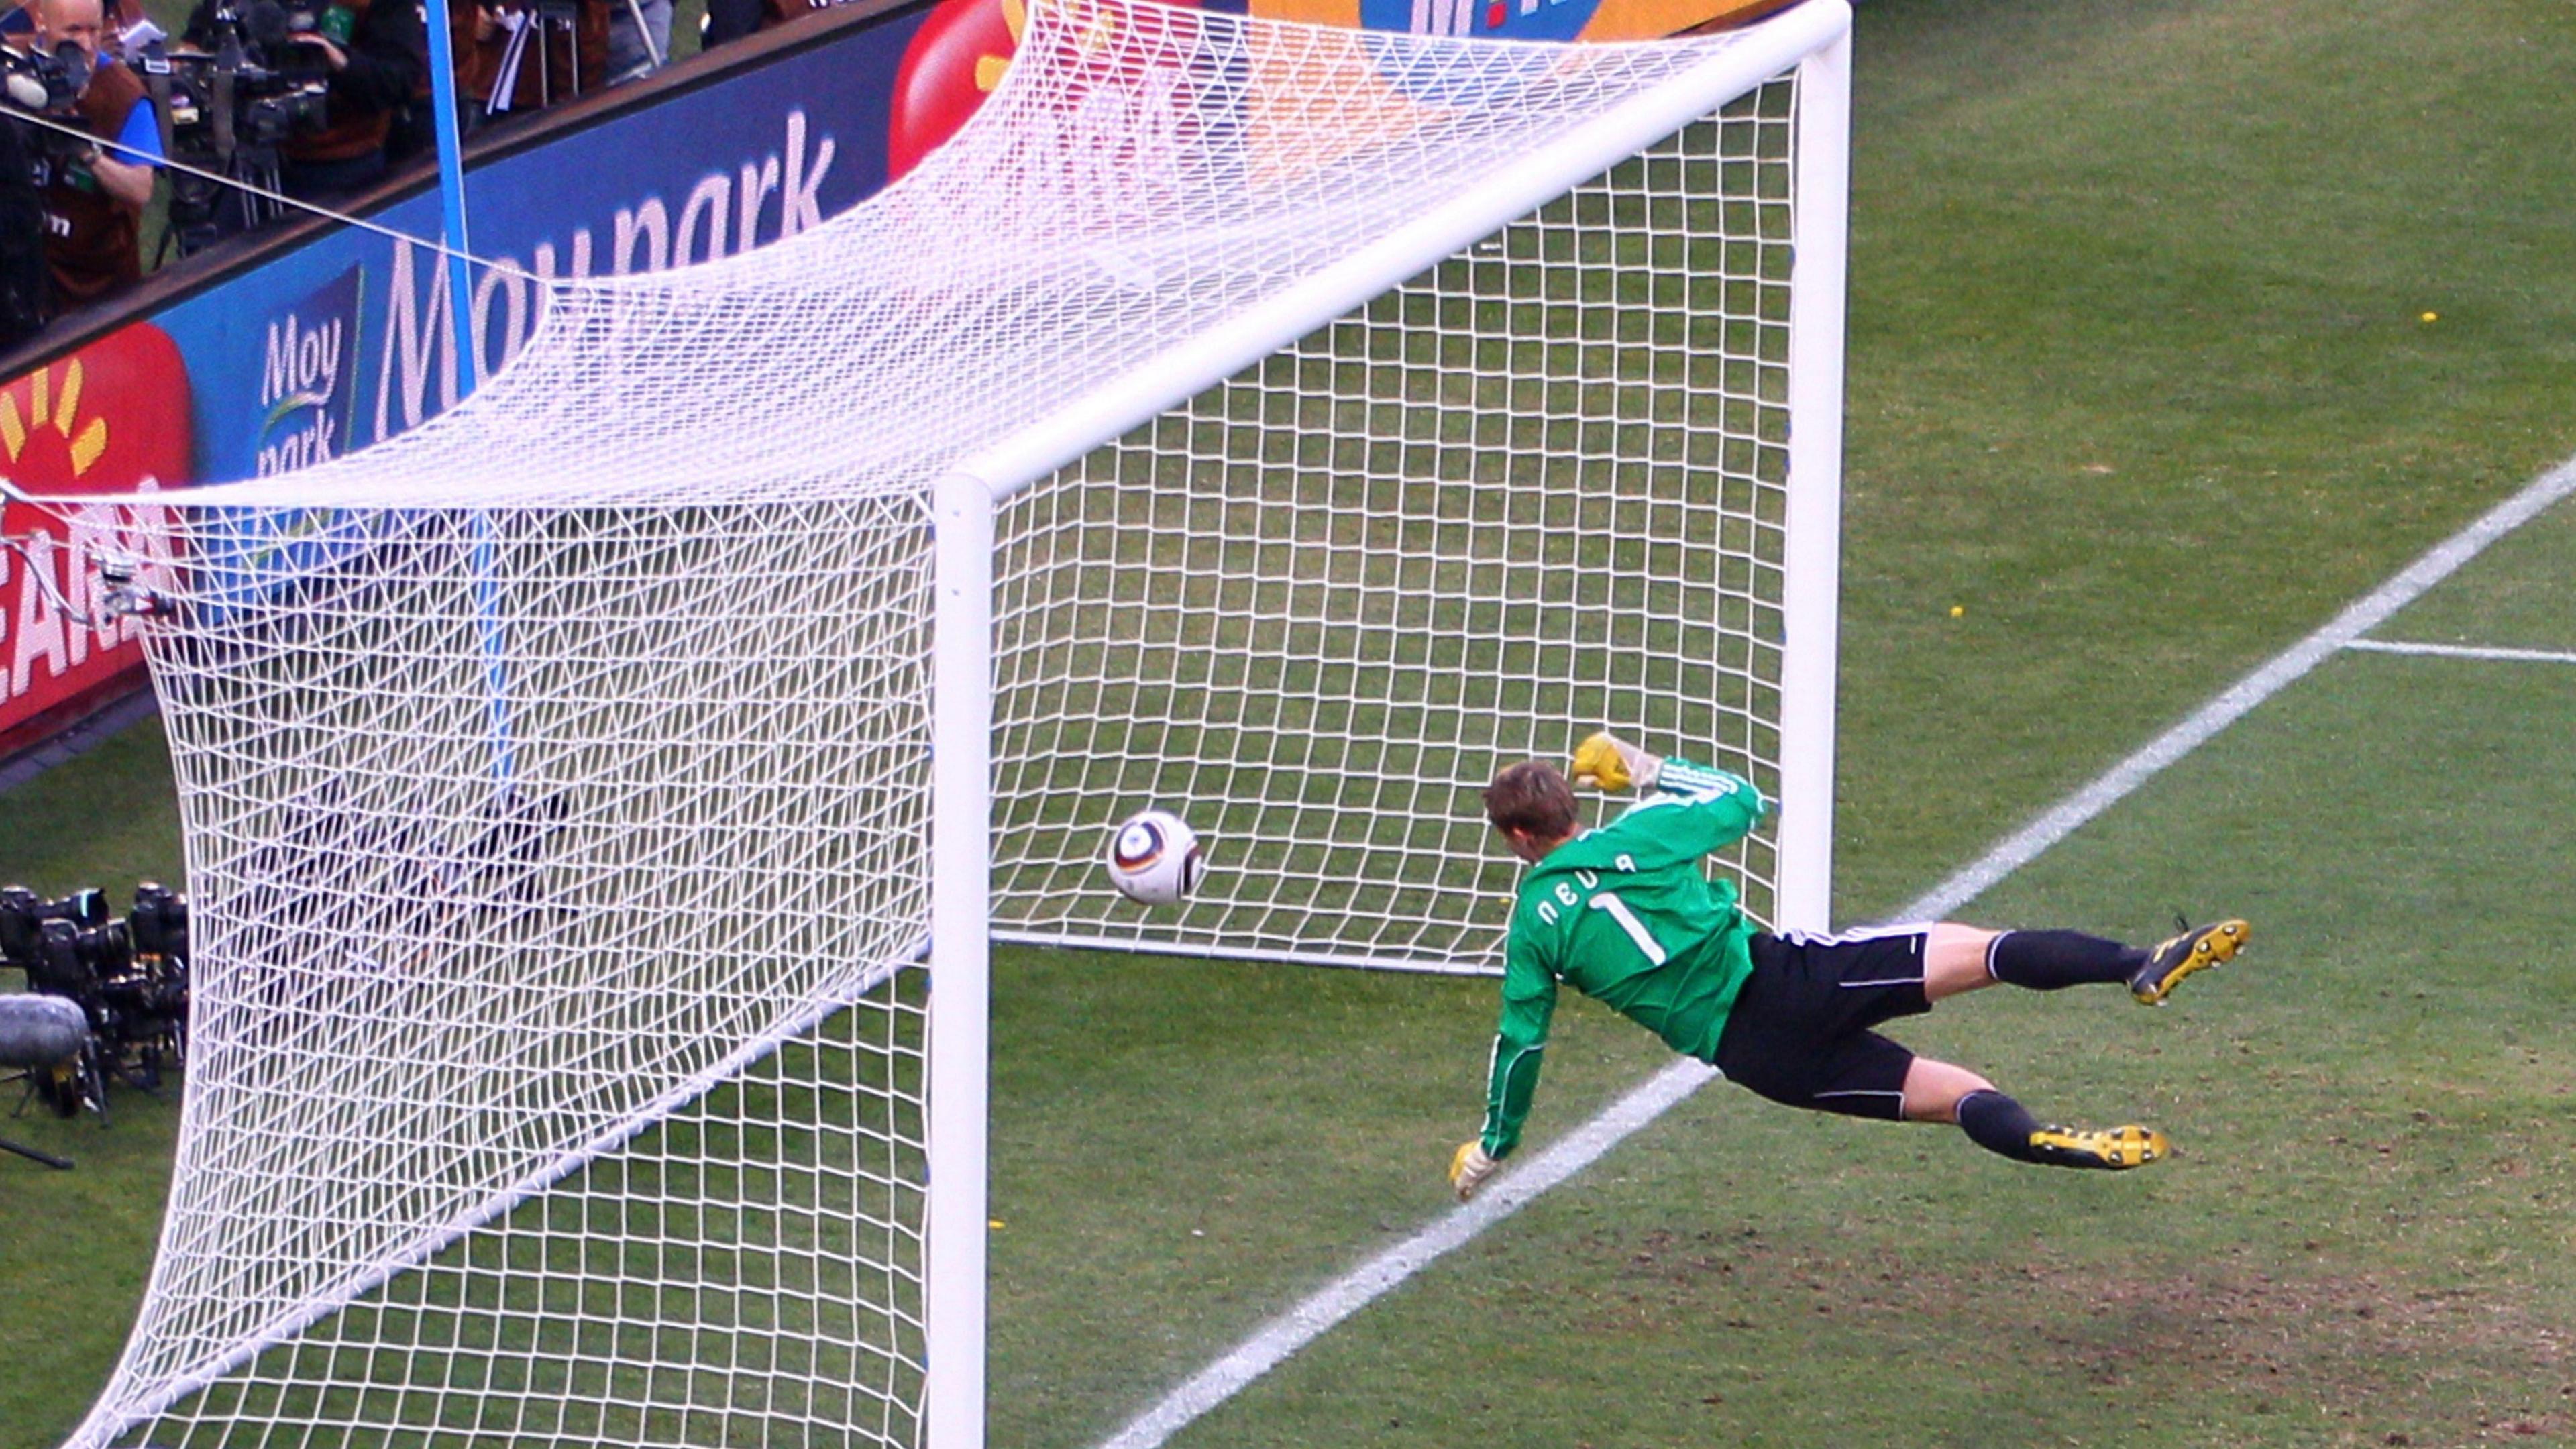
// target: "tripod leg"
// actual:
[[545, 62], [651, 47], [60, 1164], [97, 1084]]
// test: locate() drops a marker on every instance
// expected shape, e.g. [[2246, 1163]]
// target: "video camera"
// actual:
[[247, 81], [46, 84], [50, 86], [242, 86], [128, 976]]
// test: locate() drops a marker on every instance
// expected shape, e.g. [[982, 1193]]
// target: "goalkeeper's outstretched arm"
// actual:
[[1697, 809], [1520, 1044], [1724, 806]]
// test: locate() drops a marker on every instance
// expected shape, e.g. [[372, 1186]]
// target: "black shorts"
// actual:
[[1800, 1029]]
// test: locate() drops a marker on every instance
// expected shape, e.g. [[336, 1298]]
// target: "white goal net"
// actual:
[[1281, 425]]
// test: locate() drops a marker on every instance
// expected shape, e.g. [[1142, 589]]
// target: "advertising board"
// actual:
[[305, 352]]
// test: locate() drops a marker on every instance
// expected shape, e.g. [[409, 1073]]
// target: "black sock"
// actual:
[[2054, 960], [1997, 1123]]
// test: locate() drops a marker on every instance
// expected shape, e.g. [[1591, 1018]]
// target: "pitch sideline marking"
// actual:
[[2487, 652], [2341, 632], [1276, 1340]]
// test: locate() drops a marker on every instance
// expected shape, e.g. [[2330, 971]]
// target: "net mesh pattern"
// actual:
[[555, 775], [1537, 490], [564, 1037]]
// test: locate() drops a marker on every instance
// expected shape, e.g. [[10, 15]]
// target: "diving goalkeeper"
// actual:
[[1626, 914]]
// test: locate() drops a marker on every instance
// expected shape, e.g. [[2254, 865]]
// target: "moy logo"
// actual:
[[308, 389]]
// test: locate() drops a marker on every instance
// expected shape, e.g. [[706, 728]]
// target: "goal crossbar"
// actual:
[[1512, 191]]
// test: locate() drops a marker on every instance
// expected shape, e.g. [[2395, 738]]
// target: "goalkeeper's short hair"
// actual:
[[1533, 797]]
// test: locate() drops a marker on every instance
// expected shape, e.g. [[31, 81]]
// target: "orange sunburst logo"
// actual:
[[51, 422], [957, 57], [989, 69], [960, 55], [111, 418], [102, 419]]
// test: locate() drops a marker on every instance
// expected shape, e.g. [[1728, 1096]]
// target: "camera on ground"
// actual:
[[128, 975]]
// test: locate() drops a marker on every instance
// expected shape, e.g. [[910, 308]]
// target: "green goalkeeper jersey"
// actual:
[[1627, 915]]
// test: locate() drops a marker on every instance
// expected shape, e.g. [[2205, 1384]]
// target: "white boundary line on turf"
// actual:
[[1355, 1290], [2491, 652], [2345, 629], [1276, 1340]]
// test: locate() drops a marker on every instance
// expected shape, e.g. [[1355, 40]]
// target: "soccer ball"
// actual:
[[1155, 857]]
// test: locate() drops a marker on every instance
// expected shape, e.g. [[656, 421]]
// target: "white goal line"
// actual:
[[1284, 1335], [2494, 653]]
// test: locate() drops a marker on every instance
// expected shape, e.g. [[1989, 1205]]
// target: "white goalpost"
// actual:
[[600, 802]]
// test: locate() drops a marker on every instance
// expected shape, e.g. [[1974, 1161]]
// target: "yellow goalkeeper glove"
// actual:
[[1608, 762], [1468, 1169]]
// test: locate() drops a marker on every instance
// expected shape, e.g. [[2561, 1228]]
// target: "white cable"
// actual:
[[168, 163]]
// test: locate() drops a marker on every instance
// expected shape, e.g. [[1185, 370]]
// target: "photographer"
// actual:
[[370, 53], [93, 196]]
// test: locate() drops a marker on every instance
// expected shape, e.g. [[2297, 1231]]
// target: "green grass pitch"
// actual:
[[2141, 388]]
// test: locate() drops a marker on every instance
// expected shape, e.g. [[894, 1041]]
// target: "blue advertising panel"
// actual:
[[331, 345], [346, 341]]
